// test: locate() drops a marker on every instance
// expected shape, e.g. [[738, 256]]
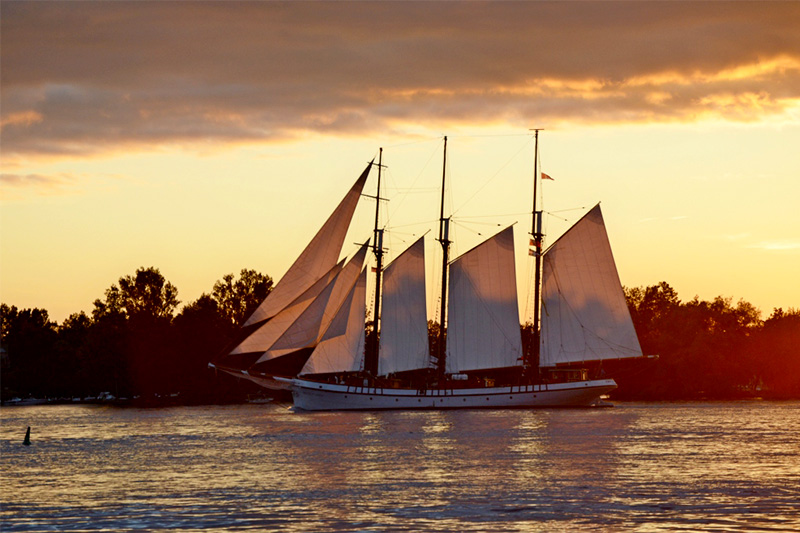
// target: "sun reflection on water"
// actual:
[[723, 466]]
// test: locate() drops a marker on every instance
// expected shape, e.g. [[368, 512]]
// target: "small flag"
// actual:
[[546, 177], [531, 252], [533, 243], [374, 269]]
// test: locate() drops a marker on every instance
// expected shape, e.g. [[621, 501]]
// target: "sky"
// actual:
[[202, 138]]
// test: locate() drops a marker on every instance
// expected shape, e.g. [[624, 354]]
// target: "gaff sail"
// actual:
[[584, 313]]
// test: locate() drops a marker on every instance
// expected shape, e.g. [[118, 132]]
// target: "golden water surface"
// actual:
[[643, 467]]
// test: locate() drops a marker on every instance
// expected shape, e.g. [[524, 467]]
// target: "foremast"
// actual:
[[372, 354]]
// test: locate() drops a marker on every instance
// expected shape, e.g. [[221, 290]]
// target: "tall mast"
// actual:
[[444, 239], [371, 358], [536, 233]]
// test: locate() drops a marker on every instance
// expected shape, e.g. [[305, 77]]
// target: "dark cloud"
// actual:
[[91, 76]]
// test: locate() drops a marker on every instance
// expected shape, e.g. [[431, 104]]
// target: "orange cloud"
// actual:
[[21, 118], [155, 74]]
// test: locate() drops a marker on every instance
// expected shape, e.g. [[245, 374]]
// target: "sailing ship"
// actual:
[[309, 335]]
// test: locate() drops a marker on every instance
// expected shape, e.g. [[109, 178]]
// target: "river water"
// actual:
[[643, 467]]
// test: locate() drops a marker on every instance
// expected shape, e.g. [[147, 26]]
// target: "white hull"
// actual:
[[316, 396]]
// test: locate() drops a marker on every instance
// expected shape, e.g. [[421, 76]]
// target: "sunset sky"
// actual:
[[202, 138]]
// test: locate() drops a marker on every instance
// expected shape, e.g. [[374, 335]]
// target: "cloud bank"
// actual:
[[91, 77]]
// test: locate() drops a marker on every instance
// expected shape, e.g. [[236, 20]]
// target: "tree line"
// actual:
[[133, 344], [136, 343], [709, 349]]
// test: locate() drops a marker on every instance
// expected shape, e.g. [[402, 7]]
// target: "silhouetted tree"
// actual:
[[777, 350], [705, 348], [29, 336], [146, 293], [200, 332], [146, 302], [237, 299]]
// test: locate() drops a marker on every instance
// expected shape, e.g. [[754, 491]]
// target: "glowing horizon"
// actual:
[[190, 158]]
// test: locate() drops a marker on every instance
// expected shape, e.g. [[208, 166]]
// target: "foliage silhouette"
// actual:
[[713, 350], [133, 345]]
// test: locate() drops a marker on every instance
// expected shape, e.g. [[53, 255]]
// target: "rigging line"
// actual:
[[403, 198], [419, 141], [486, 135], [569, 209], [498, 215], [464, 223], [493, 176]]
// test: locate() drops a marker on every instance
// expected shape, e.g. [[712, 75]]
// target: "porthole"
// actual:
[[487, 398]]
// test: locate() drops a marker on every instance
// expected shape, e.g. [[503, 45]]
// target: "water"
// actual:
[[645, 467]]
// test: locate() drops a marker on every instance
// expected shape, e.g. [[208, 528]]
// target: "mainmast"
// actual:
[[371, 357], [444, 239], [536, 233]]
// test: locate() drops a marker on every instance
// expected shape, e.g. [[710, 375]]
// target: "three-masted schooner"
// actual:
[[309, 335]]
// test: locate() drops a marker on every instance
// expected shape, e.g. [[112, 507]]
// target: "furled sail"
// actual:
[[319, 256], [309, 327], [342, 344], [404, 321], [483, 325], [584, 313]]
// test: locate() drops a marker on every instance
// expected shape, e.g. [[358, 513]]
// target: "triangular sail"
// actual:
[[483, 327], [265, 336], [404, 321], [319, 256], [342, 344], [584, 313], [306, 331]]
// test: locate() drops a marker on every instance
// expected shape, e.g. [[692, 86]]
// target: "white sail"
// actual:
[[584, 313], [342, 344], [269, 332], [483, 319], [307, 330], [319, 256], [404, 320]]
